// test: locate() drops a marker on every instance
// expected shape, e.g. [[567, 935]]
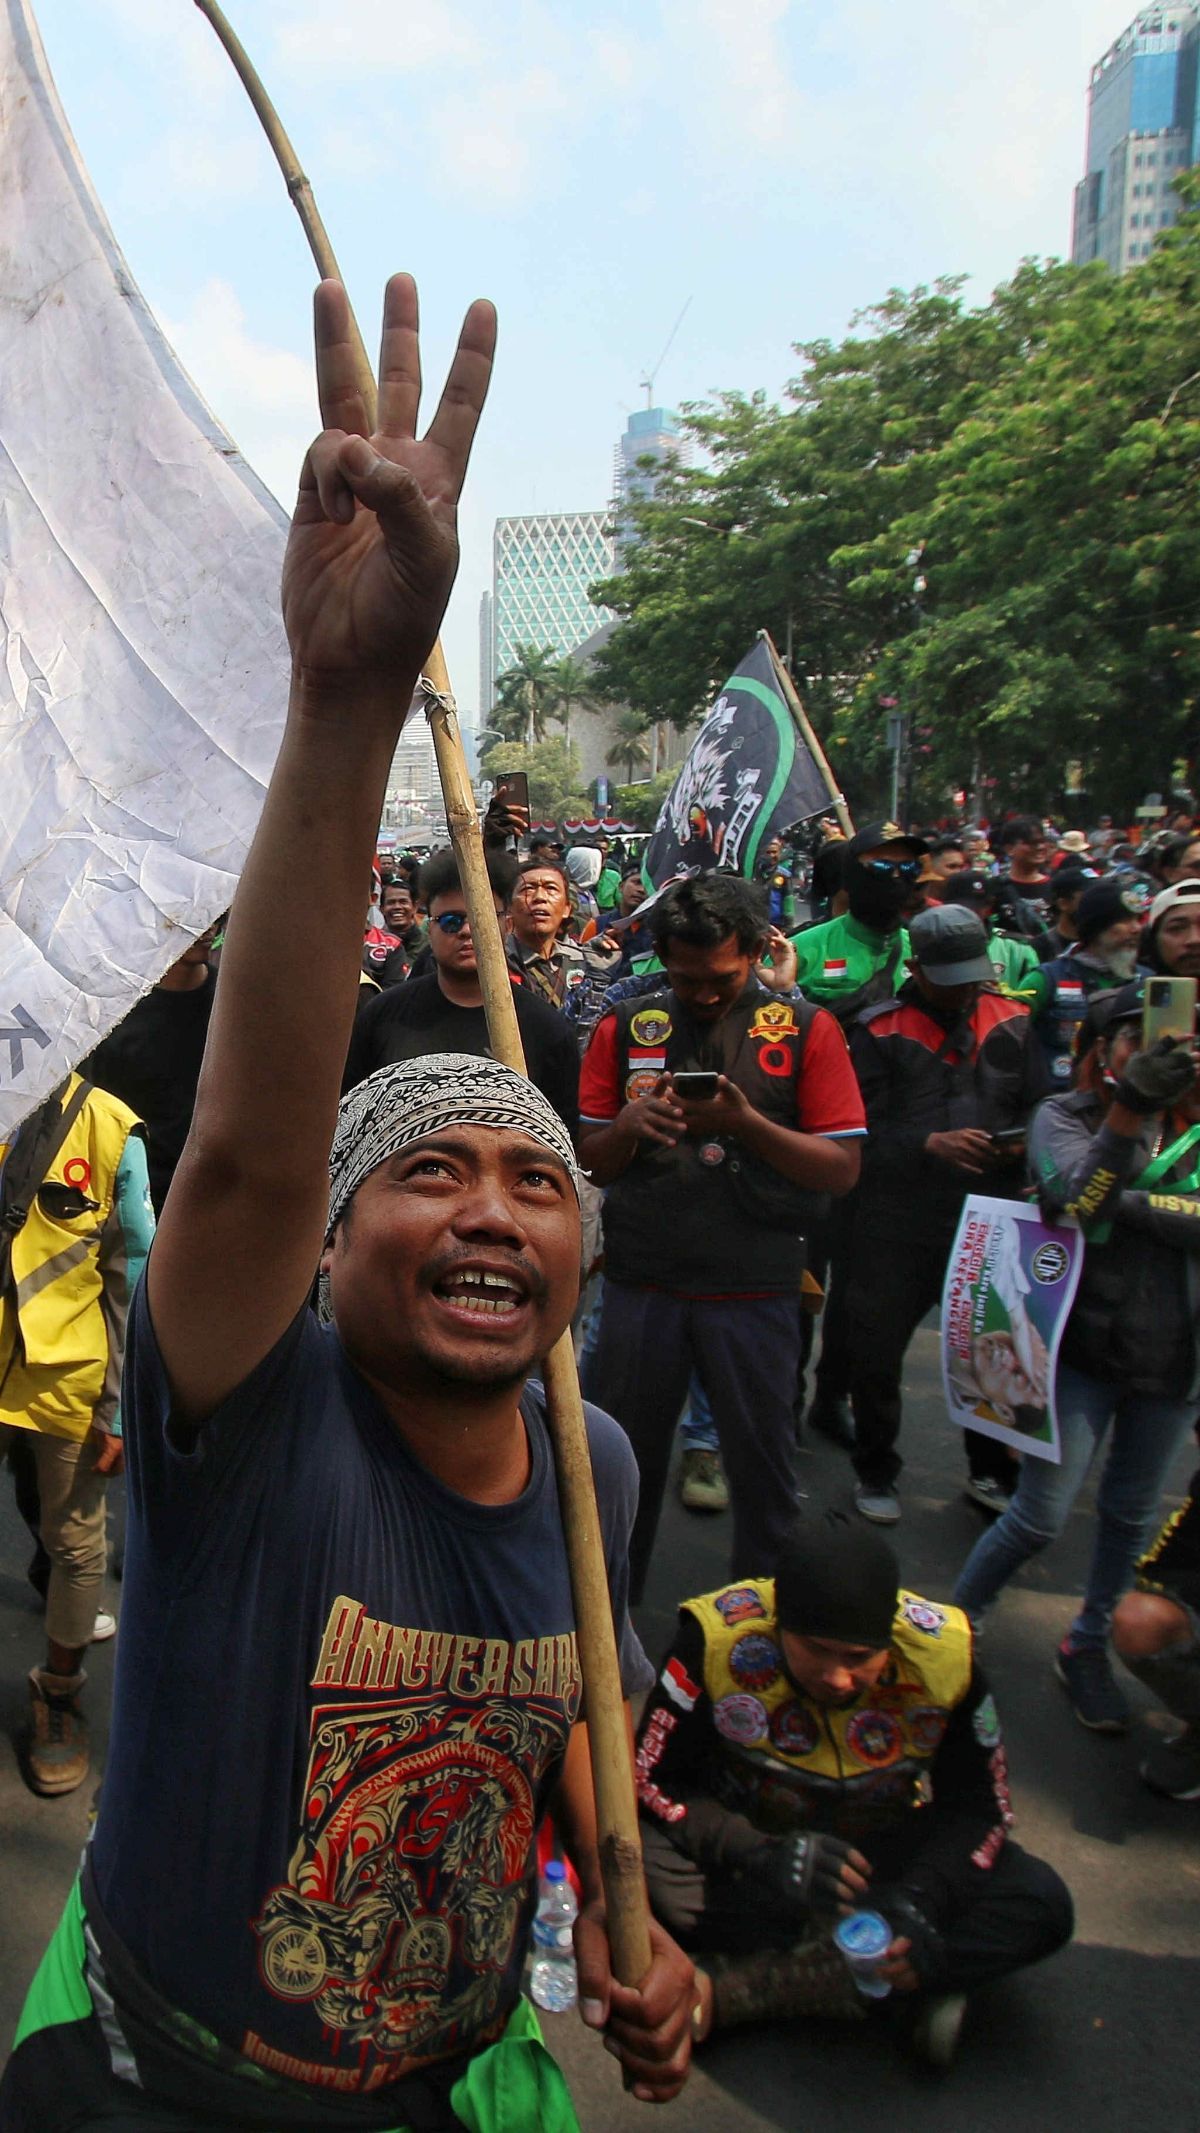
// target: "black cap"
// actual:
[[878, 834], [950, 946], [837, 1578], [969, 886], [1105, 904]]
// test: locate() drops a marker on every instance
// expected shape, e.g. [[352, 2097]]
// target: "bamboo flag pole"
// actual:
[[608, 1738], [800, 715]]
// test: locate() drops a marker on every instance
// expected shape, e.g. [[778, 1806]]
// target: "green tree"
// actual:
[[631, 744], [642, 804], [525, 694], [554, 771], [571, 690]]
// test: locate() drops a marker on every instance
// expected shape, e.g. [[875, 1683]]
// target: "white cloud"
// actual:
[[495, 136], [351, 36], [263, 395]]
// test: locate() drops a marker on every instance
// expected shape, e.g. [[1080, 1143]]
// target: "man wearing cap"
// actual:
[[822, 1741], [1171, 942], [1014, 961], [1108, 920], [1067, 885], [349, 1686], [844, 965], [949, 1074]]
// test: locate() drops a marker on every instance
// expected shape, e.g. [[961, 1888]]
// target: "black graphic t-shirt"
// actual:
[[343, 1694]]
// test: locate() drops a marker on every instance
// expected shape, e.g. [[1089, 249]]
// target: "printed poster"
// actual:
[[1010, 1285]]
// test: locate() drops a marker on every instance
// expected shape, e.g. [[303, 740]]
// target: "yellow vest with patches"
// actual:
[[799, 1756], [52, 1377]]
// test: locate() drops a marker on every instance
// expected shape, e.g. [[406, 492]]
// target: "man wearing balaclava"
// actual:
[[846, 965], [1109, 918], [822, 1742]]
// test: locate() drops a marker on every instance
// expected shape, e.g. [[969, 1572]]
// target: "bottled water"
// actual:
[[552, 1982]]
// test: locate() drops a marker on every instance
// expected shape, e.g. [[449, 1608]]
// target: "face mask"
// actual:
[[877, 900]]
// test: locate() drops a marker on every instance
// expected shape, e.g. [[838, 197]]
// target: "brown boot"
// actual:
[[779, 1984], [58, 1752]]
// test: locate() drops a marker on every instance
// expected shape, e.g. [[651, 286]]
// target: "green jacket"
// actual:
[[834, 962]]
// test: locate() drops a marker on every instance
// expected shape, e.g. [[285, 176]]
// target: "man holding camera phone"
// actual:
[[721, 1118], [949, 1073]]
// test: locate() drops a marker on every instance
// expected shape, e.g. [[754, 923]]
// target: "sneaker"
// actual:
[[106, 1627], [881, 1506], [1089, 1681], [58, 1752], [938, 2027], [831, 1418], [989, 1494], [1173, 1766], [702, 1485]]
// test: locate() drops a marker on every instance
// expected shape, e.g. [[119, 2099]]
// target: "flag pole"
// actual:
[[801, 717], [627, 1920]]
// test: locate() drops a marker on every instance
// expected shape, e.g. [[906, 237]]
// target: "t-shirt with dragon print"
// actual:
[[343, 1697]]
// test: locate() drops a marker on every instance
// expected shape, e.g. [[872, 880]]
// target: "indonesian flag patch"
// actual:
[[679, 1685], [836, 968]]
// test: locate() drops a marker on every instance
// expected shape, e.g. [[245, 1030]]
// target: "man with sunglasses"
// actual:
[[443, 1011]]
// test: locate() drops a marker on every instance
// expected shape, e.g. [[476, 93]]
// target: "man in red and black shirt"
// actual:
[[710, 1191], [949, 1073]]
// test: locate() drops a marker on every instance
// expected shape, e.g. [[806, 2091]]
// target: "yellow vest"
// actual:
[[800, 1761], [55, 1383]]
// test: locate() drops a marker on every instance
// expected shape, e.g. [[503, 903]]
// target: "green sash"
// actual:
[[1162, 1164]]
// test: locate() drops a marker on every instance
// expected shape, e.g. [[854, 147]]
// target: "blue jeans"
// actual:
[[697, 1427], [1146, 1434]]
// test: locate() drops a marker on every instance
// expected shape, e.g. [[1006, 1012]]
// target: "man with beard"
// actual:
[[820, 1741], [1109, 923], [712, 1184], [846, 965]]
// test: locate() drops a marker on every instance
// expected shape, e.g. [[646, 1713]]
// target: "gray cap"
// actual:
[[950, 944]]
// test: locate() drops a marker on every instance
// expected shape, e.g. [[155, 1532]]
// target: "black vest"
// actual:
[[706, 1217]]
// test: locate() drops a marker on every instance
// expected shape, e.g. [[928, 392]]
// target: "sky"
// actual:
[[775, 165]]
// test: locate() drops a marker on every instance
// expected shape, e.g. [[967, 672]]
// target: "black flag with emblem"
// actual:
[[748, 776]]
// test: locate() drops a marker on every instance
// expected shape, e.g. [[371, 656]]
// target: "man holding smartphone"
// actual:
[[949, 1074], [721, 1118]]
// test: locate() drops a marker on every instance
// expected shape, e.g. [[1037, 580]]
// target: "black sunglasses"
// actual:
[[904, 869]]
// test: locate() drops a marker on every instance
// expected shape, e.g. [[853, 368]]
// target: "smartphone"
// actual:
[[1168, 1010], [1008, 1137], [513, 790], [695, 1088]]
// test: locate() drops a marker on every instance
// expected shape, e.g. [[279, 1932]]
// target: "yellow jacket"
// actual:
[[74, 1264]]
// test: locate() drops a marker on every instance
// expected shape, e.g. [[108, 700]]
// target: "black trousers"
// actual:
[[830, 1249], [1009, 1915], [745, 1352], [897, 1275]]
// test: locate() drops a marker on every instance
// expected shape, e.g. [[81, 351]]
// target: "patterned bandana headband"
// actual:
[[400, 1104]]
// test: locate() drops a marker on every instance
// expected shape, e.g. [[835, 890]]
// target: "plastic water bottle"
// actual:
[[552, 1981]]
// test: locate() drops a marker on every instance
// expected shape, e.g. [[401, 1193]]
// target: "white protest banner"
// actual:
[[1010, 1284], [143, 681]]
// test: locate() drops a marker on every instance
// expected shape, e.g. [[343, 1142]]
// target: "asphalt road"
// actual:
[[1104, 2033]]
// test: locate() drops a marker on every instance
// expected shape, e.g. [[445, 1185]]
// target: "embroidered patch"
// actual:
[[985, 1724], [679, 1685], [740, 1604], [923, 1615], [643, 1083], [794, 1730], [755, 1661], [926, 1727], [652, 1025], [874, 1737], [740, 1718], [773, 1020]]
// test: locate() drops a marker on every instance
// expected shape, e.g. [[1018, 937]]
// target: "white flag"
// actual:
[[144, 677]]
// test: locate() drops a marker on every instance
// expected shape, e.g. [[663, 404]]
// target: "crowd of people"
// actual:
[[348, 1691]]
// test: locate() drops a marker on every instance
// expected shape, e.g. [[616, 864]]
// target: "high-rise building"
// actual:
[[650, 433], [412, 779], [541, 570], [1143, 128], [487, 657]]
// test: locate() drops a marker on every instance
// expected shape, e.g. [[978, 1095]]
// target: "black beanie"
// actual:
[[1105, 904], [837, 1578]]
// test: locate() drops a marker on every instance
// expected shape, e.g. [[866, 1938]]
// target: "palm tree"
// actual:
[[572, 691], [525, 694], [630, 746]]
